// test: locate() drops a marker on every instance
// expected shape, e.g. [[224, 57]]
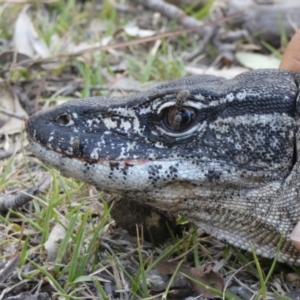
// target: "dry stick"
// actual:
[[172, 12], [30, 62], [207, 37], [11, 202], [5, 154], [209, 32], [12, 114], [8, 267]]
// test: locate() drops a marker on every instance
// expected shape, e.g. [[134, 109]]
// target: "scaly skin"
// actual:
[[221, 152]]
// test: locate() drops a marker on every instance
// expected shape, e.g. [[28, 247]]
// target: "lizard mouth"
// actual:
[[112, 163]]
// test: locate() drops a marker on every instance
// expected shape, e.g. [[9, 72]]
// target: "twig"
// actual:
[[12, 114], [208, 33], [8, 267], [5, 154], [11, 202], [173, 12], [30, 62]]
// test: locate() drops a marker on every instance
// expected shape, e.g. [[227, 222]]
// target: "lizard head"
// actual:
[[203, 146], [201, 130]]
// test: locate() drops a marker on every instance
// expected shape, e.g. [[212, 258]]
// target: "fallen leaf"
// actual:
[[9, 102], [226, 73], [256, 61], [83, 46], [126, 83], [26, 39], [205, 275], [133, 30], [165, 267], [208, 277], [180, 286], [56, 235], [6, 102]]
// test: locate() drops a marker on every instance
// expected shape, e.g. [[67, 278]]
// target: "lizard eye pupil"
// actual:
[[178, 118], [185, 116]]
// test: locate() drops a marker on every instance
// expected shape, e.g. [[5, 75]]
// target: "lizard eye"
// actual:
[[178, 118]]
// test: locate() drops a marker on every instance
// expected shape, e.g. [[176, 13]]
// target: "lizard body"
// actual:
[[223, 153]]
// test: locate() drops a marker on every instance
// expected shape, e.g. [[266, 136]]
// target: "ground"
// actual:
[[62, 243]]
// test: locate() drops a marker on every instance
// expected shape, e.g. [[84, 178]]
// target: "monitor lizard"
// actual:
[[223, 153]]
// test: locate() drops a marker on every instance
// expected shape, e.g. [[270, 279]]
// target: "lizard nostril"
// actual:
[[65, 120]]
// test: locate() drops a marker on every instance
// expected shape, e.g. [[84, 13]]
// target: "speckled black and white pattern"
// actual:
[[233, 170]]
